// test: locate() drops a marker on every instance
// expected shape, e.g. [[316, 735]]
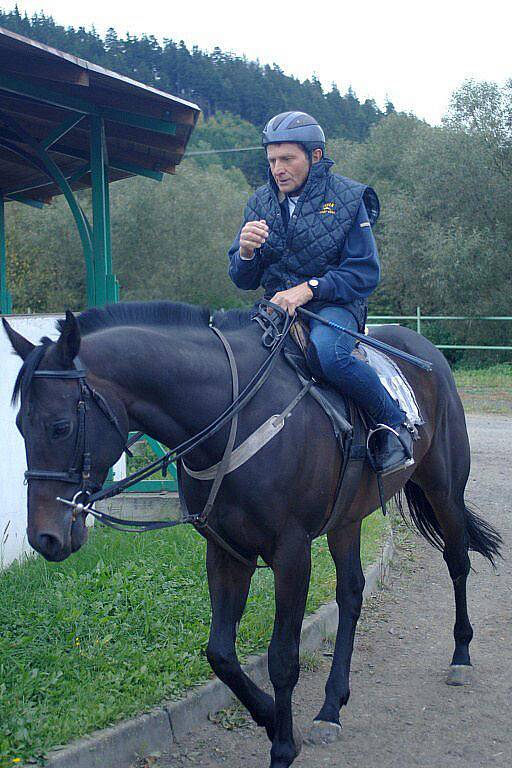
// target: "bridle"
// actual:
[[79, 473]]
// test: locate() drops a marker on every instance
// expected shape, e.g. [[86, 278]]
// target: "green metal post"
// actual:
[[418, 319], [112, 284], [104, 279], [99, 224], [5, 296]]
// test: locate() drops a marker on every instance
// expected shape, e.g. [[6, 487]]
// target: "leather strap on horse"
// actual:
[[351, 471], [200, 521]]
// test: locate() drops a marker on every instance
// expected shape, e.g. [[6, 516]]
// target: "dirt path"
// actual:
[[401, 713]]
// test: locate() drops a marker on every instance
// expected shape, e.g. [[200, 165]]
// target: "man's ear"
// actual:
[[22, 346], [68, 343], [316, 155]]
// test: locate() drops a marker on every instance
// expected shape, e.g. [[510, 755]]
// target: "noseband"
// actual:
[[79, 472]]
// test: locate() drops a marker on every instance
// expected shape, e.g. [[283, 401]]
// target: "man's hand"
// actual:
[[293, 297], [252, 236]]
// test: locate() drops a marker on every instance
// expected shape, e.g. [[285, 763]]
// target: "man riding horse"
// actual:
[[307, 239]]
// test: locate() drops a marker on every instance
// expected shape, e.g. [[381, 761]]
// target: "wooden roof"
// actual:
[[44, 91]]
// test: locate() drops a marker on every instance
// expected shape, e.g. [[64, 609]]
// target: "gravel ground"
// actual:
[[401, 713]]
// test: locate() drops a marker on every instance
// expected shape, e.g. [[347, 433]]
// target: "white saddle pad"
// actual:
[[395, 382]]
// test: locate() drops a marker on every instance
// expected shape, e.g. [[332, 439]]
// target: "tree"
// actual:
[[444, 231], [225, 131]]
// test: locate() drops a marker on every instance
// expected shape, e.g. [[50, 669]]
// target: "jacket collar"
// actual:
[[317, 172]]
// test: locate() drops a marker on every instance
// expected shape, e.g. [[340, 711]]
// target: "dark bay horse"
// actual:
[[162, 371]]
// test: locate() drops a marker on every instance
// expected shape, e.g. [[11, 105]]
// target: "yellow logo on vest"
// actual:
[[328, 208]]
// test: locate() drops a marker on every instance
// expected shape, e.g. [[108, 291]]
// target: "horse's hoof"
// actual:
[[324, 732], [297, 739], [459, 674]]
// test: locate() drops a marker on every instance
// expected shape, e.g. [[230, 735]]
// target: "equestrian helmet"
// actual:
[[297, 127]]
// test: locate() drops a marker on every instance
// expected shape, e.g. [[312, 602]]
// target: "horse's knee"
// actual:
[[221, 659], [283, 667], [350, 597]]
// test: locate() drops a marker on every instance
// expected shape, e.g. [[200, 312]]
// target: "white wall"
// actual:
[[13, 493]]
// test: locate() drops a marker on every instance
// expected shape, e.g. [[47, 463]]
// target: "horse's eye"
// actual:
[[60, 428]]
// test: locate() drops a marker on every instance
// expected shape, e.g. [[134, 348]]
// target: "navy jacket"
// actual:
[[328, 237]]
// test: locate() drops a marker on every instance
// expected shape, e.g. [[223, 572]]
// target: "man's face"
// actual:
[[289, 166]]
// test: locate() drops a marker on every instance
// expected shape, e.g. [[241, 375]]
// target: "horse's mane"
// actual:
[[232, 319], [160, 313], [129, 313]]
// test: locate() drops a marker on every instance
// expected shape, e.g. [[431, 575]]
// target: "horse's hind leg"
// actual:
[[229, 583], [448, 515], [436, 499], [345, 550]]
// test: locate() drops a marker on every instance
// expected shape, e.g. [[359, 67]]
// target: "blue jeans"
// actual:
[[350, 376]]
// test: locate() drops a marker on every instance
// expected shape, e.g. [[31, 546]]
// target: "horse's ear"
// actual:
[[69, 341], [22, 346]]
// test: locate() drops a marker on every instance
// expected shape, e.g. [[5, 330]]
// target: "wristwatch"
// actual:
[[314, 285]]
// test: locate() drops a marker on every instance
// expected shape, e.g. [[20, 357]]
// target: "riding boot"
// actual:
[[392, 449]]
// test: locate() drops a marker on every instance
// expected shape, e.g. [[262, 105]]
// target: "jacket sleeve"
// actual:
[[358, 273], [245, 273]]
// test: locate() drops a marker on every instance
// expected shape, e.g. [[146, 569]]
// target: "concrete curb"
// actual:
[[120, 745]]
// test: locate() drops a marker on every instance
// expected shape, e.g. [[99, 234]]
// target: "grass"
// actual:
[[116, 629], [486, 390], [123, 624]]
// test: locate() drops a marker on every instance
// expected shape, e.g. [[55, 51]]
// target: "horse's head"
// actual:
[[72, 434]]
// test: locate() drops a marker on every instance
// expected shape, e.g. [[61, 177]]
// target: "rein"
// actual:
[[79, 472], [238, 403]]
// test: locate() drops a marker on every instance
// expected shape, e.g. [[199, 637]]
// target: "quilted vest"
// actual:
[[317, 230]]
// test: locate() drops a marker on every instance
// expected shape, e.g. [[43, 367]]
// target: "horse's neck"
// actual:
[[172, 384]]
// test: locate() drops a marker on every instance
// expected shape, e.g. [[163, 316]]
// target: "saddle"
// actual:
[[351, 426], [348, 422]]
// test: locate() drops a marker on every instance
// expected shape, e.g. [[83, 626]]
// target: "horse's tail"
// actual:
[[482, 536]]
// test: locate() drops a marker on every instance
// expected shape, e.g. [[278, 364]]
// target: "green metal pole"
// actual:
[[99, 213], [5, 296], [418, 319], [112, 284], [105, 281]]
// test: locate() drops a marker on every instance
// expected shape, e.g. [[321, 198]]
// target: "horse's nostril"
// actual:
[[49, 546]]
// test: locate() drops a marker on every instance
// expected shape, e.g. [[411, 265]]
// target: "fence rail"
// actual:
[[419, 319]]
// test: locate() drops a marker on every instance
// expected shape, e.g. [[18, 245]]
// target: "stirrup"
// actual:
[[379, 474], [386, 428]]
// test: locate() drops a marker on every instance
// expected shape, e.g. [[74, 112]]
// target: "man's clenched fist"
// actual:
[[252, 236], [293, 297]]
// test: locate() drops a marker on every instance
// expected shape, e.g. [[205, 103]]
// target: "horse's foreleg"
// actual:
[[229, 583], [345, 550], [292, 568]]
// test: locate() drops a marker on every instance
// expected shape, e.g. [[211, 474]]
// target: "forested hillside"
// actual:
[[445, 230], [217, 81]]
